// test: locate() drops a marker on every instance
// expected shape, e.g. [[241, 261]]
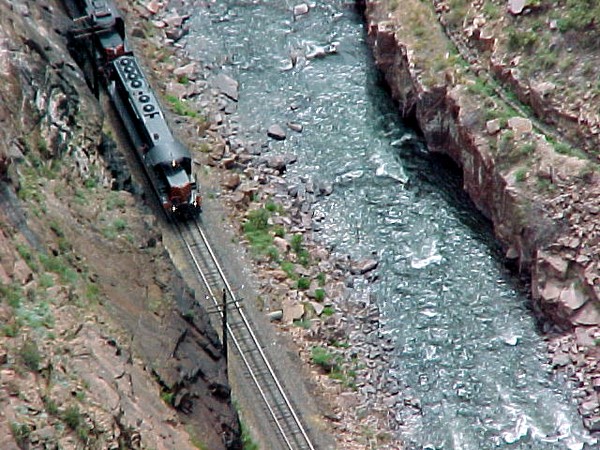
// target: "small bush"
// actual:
[[321, 278], [303, 283], [51, 406], [120, 225], [273, 253], [30, 355], [11, 329], [279, 231], [167, 397], [296, 243], [27, 255], [328, 311], [13, 294], [288, 268], [72, 417], [21, 433], [319, 294], [324, 359], [257, 220], [521, 175]]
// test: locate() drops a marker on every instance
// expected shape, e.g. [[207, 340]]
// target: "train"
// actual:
[[100, 32]]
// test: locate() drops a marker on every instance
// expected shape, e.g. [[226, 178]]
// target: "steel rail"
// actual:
[[255, 341]]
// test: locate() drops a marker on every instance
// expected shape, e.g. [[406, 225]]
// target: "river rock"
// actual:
[[226, 85], [176, 34], [301, 9], [593, 423], [295, 126], [188, 70], [364, 266], [276, 132], [560, 360], [277, 162], [281, 244]]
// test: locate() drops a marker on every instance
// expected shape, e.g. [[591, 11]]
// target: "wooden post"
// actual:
[[224, 324]]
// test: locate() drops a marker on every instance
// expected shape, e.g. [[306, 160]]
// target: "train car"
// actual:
[[166, 160], [102, 22], [98, 37]]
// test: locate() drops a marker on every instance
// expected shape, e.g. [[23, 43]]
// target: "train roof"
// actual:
[[168, 153], [142, 99], [103, 13]]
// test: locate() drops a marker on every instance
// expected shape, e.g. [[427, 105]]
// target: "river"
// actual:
[[467, 345]]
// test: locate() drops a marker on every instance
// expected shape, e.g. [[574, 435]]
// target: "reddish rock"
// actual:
[[571, 299], [589, 314], [231, 181]]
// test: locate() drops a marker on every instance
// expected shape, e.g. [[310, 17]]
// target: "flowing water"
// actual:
[[466, 344]]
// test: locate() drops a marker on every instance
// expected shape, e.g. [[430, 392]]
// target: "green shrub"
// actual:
[[180, 107], [21, 433], [303, 283], [288, 268], [521, 175], [279, 231], [328, 311], [321, 278], [296, 243], [324, 359], [27, 255], [319, 294], [13, 294], [257, 220], [72, 417], [50, 405], [273, 253], [30, 355]]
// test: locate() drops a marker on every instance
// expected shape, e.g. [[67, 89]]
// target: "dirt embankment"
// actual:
[[94, 352], [505, 91]]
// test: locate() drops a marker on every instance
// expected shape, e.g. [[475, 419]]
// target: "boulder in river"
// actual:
[[276, 132]]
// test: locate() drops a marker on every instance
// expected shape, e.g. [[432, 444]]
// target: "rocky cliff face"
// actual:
[[101, 343], [543, 203]]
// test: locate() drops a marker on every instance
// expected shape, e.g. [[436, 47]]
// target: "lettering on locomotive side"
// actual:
[[133, 79]]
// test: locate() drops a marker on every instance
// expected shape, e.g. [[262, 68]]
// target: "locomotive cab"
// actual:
[[172, 164]]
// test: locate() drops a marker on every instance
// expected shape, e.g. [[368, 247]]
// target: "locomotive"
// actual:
[[167, 162]]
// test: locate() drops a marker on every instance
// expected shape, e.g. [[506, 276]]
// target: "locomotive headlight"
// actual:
[[174, 163]]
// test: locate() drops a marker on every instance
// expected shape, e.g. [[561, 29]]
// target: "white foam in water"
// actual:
[[429, 255]]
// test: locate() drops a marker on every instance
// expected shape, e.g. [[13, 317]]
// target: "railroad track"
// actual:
[[277, 406]]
